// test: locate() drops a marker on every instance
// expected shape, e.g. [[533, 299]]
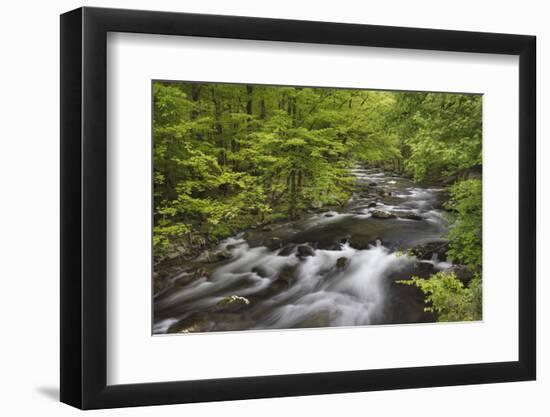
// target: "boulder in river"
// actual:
[[371, 205], [429, 249], [331, 246], [287, 250], [223, 255], [285, 278], [341, 262], [381, 214], [274, 242], [424, 269], [161, 281], [363, 242], [190, 276], [215, 256], [232, 303], [304, 251], [462, 273], [260, 271], [328, 215], [372, 184]]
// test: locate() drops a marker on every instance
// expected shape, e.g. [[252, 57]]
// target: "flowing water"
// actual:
[[332, 268]]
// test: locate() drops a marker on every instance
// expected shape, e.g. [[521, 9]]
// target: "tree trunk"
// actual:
[[195, 96], [292, 205], [249, 96], [263, 113]]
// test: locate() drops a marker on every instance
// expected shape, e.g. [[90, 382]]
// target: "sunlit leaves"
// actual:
[[466, 233]]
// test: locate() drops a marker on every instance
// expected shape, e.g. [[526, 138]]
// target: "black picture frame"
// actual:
[[84, 207]]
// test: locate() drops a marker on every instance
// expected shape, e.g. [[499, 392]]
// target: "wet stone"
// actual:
[[260, 271], [410, 216], [381, 214], [305, 251], [232, 303], [287, 250], [341, 262]]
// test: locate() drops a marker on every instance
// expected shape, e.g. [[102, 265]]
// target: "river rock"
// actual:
[[161, 281], [194, 323], [341, 262], [371, 205], [373, 184], [381, 214], [424, 269], [191, 276], [260, 271], [285, 278], [410, 216], [462, 273], [305, 251], [232, 303], [427, 250], [210, 256], [328, 215], [223, 255], [274, 242], [367, 242], [287, 250], [336, 246]]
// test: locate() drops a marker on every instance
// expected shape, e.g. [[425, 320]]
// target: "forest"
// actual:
[[235, 157]]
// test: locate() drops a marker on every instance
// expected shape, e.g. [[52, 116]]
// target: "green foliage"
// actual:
[[230, 156], [466, 233], [448, 298], [440, 133]]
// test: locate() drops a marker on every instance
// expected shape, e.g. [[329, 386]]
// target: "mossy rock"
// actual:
[[232, 303], [215, 256], [381, 214], [341, 262]]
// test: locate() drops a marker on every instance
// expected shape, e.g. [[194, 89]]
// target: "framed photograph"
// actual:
[[256, 208]]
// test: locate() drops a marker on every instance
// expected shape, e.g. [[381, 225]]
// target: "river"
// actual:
[[330, 268]]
